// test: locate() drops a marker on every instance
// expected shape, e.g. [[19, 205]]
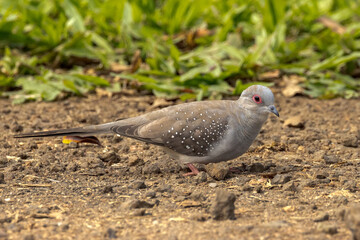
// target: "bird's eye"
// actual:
[[257, 99]]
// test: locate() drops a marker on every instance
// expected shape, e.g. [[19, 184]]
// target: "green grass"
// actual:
[[182, 48]]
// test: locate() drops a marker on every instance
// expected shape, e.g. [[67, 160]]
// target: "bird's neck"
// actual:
[[250, 122]]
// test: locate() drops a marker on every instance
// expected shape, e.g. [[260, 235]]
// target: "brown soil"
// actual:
[[50, 190]]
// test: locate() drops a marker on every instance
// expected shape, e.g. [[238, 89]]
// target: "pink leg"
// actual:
[[194, 170]]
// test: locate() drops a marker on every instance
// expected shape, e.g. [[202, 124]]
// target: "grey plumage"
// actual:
[[197, 132]]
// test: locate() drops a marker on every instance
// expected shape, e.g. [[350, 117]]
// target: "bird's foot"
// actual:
[[194, 170]]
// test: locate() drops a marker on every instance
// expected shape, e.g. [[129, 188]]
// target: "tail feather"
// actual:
[[81, 131]]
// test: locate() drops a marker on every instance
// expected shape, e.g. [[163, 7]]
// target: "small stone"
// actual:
[[110, 233], [321, 175], [352, 220], [328, 228], [256, 167], [295, 122], [73, 144], [33, 146], [107, 189], [152, 168], [137, 184], [281, 179], [331, 159], [218, 171], [213, 185], [308, 183], [29, 237], [17, 128], [138, 212], [199, 217], [341, 214], [322, 217], [65, 227], [2, 178], [134, 160], [350, 185], [223, 205], [164, 188], [350, 140], [110, 157], [201, 177], [290, 186], [134, 203], [150, 194], [247, 188], [198, 196]]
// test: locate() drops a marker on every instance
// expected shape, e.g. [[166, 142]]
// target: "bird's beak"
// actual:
[[273, 110]]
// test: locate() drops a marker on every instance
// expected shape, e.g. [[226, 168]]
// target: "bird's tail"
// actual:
[[81, 131]]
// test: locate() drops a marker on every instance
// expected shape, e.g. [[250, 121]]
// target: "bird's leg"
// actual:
[[194, 170]]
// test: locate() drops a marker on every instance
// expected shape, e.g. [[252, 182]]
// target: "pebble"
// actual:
[[2, 178], [137, 184], [152, 168], [29, 237], [350, 140], [164, 188], [138, 212], [352, 220], [135, 160], [328, 228], [308, 183], [201, 177], [110, 233], [322, 217], [321, 175], [218, 171], [134, 203], [331, 159], [198, 196], [110, 157], [295, 122], [150, 194], [17, 128], [281, 179], [256, 167], [223, 205], [247, 188], [350, 185], [73, 144], [213, 185], [290, 186], [107, 189], [199, 217]]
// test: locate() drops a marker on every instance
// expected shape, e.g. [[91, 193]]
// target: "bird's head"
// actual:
[[259, 98]]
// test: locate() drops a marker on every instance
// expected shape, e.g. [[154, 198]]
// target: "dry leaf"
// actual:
[[292, 86], [333, 25], [78, 139]]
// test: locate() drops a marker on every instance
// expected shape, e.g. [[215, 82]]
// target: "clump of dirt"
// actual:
[[296, 181]]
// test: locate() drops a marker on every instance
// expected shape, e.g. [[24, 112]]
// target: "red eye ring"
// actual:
[[257, 98]]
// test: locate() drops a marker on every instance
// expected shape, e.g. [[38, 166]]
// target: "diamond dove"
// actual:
[[196, 132]]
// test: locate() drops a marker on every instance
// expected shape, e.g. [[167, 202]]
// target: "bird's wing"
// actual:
[[190, 129]]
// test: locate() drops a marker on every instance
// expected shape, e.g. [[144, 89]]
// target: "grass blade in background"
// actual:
[[177, 48]]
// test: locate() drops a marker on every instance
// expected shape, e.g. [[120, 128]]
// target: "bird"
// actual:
[[197, 132]]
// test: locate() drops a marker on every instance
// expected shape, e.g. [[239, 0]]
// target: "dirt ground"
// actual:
[[296, 181]]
